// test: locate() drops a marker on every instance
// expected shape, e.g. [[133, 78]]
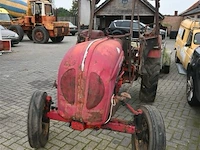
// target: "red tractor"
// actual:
[[89, 78]]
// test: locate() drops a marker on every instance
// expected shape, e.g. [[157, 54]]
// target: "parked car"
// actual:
[[118, 27], [73, 29], [8, 34]]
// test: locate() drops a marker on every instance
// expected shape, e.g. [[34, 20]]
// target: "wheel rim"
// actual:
[[189, 88], [39, 36], [45, 121], [143, 142], [45, 129]]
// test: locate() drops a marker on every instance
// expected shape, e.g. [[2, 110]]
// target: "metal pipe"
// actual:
[[157, 17], [132, 17], [79, 8], [91, 18]]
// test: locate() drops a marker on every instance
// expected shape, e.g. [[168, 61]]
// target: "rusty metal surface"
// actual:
[[102, 58]]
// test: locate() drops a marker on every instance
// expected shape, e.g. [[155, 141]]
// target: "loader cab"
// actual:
[[40, 10]]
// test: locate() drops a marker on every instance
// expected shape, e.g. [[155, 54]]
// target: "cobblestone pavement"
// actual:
[[33, 67]]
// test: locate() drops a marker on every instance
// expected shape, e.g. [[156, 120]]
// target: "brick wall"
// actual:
[[172, 22]]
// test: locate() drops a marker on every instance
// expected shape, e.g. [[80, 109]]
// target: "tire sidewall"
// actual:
[[44, 33], [156, 128], [35, 114]]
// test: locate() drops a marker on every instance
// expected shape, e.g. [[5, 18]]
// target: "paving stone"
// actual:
[[78, 146], [125, 142], [16, 146], [103, 144], [57, 142], [94, 138], [90, 146], [70, 141]]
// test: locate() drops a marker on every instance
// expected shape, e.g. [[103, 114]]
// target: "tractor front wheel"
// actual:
[[151, 135], [38, 122], [150, 78], [40, 35]]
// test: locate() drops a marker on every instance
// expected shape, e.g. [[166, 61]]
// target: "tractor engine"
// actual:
[[86, 80]]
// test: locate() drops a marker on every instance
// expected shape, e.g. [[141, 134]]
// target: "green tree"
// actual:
[[74, 10], [62, 12]]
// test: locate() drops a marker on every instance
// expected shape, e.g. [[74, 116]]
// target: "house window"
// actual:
[[198, 16]]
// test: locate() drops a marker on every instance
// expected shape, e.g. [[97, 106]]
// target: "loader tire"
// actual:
[[18, 29], [40, 35], [57, 39], [149, 81]]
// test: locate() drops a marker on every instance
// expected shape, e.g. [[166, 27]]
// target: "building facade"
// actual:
[[122, 9]]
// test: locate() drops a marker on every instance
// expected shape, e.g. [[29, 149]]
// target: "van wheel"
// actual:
[[40, 35], [191, 91], [18, 29]]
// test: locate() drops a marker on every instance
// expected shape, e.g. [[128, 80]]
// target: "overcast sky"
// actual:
[[167, 7]]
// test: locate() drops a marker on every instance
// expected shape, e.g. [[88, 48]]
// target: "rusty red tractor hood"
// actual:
[[86, 80]]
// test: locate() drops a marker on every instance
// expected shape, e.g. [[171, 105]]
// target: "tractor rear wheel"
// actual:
[[151, 135], [38, 122], [150, 78], [57, 39], [40, 35], [18, 29]]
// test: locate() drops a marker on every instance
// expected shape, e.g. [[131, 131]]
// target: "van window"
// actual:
[[197, 38], [189, 40], [181, 32]]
